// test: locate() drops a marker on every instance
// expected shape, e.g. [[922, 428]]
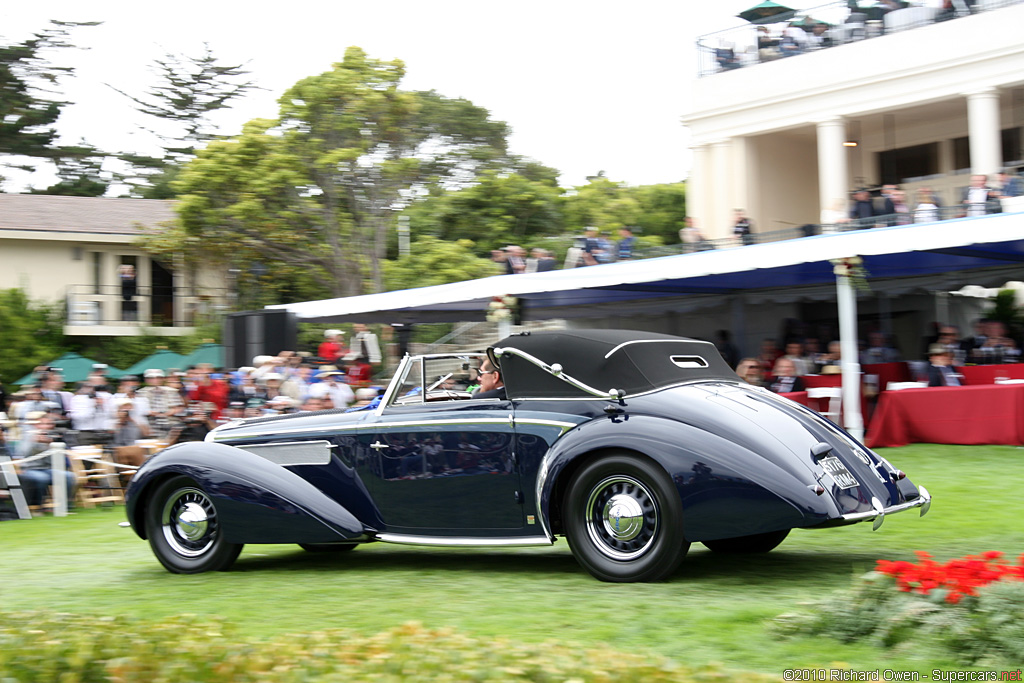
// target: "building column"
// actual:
[[833, 175], [984, 132], [720, 215], [696, 187]]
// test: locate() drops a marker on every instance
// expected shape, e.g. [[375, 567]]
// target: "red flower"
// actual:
[[959, 577]]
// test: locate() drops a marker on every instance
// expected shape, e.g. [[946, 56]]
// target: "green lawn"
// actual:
[[714, 610]]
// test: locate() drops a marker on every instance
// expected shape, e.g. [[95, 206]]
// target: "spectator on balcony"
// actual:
[[1009, 184], [900, 209], [979, 198], [784, 378], [743, 227], [516, 260], [863, 209], [767, 46], [940, 368], [165, 403], [725, 55], [794, 40], [126, 277], [540, 261], [627, 242], [927, 209]]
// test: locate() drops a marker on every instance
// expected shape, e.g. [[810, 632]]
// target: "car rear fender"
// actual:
[[257, 501], [727, 490]]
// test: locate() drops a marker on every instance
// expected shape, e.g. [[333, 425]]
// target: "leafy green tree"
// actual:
[[28, 107], [662, 210], [190, 89], [433, 261], [319, 188], [602, 203], [500, 209], [32, 334]]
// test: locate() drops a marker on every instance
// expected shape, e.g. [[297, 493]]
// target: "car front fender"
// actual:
[[257, 501]]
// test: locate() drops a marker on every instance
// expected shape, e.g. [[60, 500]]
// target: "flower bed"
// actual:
[[968, 610]]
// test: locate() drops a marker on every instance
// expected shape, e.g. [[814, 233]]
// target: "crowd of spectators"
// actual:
[[780, 369], [178, 405], [792, 36]]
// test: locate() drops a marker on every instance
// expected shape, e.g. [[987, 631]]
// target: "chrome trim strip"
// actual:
[[922, 501], [654, 341], [556, 371], [566, 426], [463, 541]]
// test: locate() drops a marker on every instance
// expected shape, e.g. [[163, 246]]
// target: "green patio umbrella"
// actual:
[[207, 353], [767, 12], [161, 359], [74, 368]]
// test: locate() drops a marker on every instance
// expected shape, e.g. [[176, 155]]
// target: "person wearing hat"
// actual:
[[331, 349], [940, 368], [164, 403], [127, 428], [339, 392]]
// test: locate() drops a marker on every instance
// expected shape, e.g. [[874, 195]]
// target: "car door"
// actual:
[[446, 465]]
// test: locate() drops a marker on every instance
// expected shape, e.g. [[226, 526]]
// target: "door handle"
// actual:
[[379, 446]]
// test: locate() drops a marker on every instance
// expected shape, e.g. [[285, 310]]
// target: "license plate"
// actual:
[[837, 470]]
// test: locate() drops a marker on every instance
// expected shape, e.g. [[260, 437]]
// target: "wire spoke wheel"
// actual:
[[184, 530], [622, 516]]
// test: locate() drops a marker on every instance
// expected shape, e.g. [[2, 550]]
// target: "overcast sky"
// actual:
[[585, 85]]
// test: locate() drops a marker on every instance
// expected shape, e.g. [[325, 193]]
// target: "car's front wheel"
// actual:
[[755, 543], [623, 519], [184, 530]]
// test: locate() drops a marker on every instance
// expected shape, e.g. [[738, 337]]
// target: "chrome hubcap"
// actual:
[[189, 522], [622, 517]]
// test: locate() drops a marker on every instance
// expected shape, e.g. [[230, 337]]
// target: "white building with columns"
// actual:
[[925, 106]]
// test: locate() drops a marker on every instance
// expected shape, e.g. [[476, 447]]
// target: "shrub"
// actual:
[[970, 609], [38, 647]]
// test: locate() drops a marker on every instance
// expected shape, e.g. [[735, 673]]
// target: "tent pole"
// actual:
[[846, 299]]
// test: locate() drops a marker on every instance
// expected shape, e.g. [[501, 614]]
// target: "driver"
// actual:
[[491, 384]]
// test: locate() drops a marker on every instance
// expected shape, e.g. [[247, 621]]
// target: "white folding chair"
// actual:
[[835, 400]]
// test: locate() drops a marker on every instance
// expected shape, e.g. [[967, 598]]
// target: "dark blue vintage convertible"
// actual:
[[632, 445]]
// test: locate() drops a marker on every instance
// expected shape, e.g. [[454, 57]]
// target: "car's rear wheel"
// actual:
[[184, 530], [623, 519], [756, 543], [327, 547]]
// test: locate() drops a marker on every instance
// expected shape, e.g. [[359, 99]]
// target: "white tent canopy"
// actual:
[[897, 259]]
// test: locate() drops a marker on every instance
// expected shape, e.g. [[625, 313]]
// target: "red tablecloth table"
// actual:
[[888, 372], [981, 414], [986, 374]]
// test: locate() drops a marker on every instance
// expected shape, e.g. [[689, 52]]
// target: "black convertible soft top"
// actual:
[[626, 360]]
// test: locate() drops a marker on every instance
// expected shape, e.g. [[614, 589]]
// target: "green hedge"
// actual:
[[42, 647]]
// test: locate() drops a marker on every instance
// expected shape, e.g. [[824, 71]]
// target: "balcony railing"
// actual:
[[825, 26], [108, 305]]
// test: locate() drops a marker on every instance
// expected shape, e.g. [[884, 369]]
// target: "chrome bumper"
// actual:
[[923, 501]]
